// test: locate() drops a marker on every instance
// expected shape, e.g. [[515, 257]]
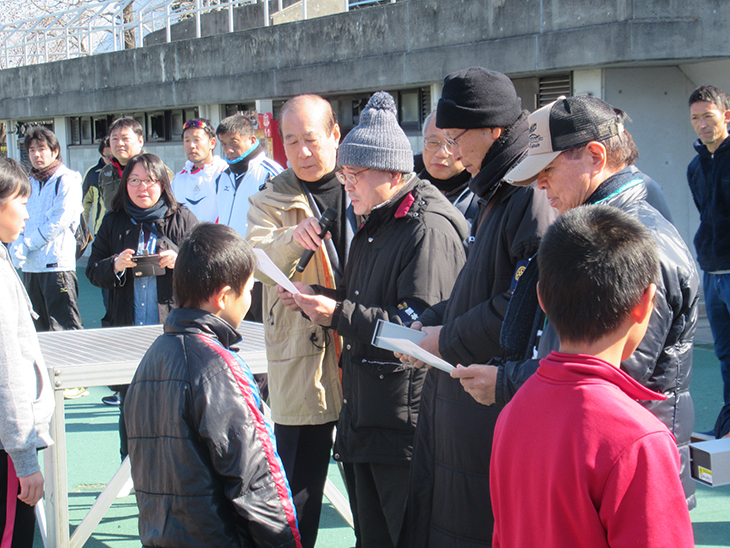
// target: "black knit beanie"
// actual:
[[477, 98]]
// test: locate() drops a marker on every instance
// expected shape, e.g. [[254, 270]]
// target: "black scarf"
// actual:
[[149, 215], [451, 187], [328, 192], [503, 155]]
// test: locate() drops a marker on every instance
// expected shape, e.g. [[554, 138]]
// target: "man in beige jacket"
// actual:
[[304, 382]]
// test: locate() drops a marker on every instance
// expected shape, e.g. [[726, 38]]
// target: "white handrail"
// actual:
[[100, 27]]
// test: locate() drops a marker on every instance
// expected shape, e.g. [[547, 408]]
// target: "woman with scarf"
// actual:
[[145, 220]]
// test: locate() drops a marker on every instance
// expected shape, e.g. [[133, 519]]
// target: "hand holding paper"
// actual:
[[267, 266], [412, 349]]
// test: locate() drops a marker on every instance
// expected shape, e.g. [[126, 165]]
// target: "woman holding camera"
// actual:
[[135, 249]]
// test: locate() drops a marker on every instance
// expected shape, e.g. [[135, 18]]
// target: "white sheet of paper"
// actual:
[[412, 349], [267, 266]]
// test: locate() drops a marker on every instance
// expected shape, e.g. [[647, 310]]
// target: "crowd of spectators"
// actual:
[[527, 248]]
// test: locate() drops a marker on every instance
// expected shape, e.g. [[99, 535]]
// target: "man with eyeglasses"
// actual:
[[483, 120], [283, 220], [404, 257], [444, 171], [194, 185]]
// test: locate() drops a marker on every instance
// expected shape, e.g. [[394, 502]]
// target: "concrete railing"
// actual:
[[113, 25]]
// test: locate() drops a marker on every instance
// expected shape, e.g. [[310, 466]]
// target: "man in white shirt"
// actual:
[[194, 186], [248, 169]]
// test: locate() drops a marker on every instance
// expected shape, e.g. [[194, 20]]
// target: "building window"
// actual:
[[553, 86]]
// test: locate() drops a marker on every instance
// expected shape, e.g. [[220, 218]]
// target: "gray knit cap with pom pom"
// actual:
[[378, 142]]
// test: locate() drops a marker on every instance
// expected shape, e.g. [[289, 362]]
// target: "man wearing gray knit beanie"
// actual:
[[404, 258], [482, 117]]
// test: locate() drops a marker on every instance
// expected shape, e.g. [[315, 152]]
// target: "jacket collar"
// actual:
[[578, 367], [701, 148], [614, 185], [196, 321], [398, 206]]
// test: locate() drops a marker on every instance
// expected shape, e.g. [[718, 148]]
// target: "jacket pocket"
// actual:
[[380, 394]]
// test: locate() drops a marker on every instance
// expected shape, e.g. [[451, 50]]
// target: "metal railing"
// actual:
[[113, 25]]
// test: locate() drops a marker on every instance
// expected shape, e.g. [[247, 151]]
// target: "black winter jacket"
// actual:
[[663, 361], [117, 233], [409, 250], [709, 179], [449, 494], [205, 468]]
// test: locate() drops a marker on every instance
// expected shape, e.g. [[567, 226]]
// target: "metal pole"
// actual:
[[347, 5], [198, 33], [168, 31], [304, 10], [267, 19], [45, 46], [280, 5], [114, 31], [230, 16]]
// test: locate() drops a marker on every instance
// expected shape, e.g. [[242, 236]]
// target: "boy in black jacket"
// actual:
[[204, 461]]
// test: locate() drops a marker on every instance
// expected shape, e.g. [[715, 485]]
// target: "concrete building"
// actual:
[[644, 57]]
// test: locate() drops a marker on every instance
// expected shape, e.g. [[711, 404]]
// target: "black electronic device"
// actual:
[[328, 219]]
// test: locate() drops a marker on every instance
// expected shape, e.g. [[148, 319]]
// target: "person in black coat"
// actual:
[[145, 219]]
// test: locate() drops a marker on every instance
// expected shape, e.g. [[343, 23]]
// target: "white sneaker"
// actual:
[[127, 489]]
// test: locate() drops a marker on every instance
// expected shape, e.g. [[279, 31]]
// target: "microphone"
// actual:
[[328, 219]]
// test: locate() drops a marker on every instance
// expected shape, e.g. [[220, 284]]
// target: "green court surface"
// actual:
[[93, 455]]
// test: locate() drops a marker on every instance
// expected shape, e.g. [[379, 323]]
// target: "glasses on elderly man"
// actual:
[[455, 141], [434, 145], [351, 178]]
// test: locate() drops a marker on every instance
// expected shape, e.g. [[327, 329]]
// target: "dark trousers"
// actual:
[[717, 305], [379, 503], [55, 298], [123, 450], [305, 451], [17, 519]]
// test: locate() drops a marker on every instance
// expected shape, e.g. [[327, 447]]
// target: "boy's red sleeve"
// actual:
[[643, 503]]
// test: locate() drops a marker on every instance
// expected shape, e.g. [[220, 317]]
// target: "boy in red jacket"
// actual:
[[577, 461]]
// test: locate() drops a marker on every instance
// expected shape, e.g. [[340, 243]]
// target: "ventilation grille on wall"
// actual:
[[552, 87]]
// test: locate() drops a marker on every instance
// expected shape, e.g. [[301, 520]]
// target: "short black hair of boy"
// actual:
[[211, 257], [595, 264], [42, 134], [13, 180], [236, 124], [710, 94]]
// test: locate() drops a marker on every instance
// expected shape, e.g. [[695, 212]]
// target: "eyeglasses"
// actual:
[[351, 178], [434, 145], [455, 141], [147, 182], [198, 124]]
